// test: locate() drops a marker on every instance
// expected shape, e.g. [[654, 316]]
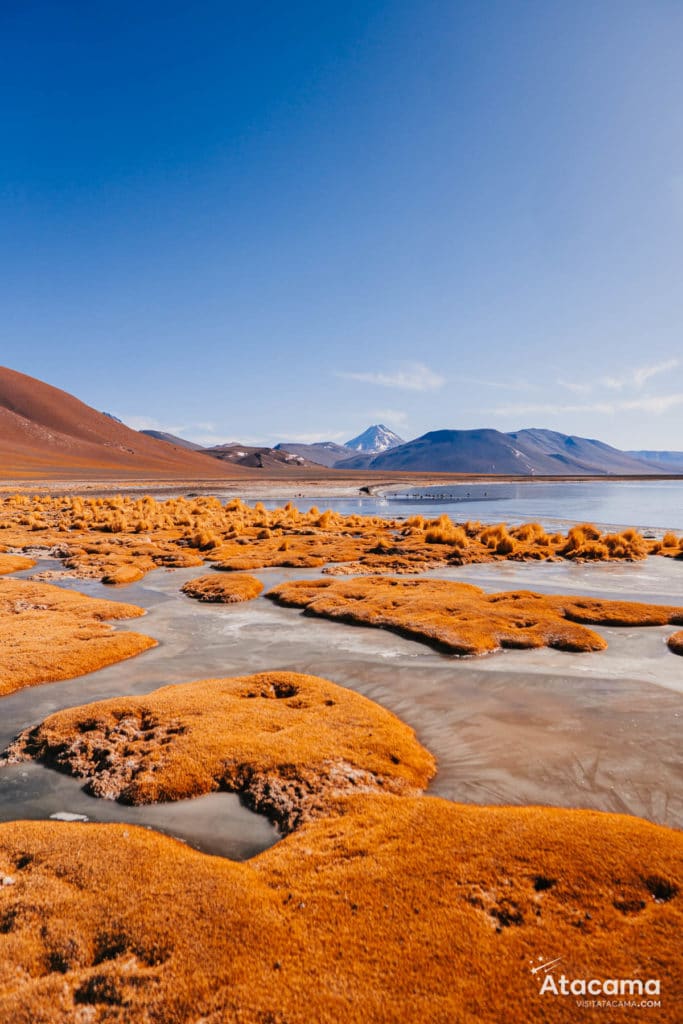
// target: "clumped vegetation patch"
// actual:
[[14, 563], [373, 906], [223, 589], [376, 912], [48, 633], [675, 642], [378, 900], [96, 537], [463, 619], [291, 744]]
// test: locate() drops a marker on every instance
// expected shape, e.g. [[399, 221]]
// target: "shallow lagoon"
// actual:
[[648, 504]]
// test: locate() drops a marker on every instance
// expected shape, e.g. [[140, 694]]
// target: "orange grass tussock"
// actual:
[[48, 633], [14, 563], [226, 590], [675, 642], [118, 539], [399, 909], [290, 744], [121, 575], [462, 619]]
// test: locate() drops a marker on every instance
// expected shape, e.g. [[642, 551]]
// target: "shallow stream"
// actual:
[[599, 730]]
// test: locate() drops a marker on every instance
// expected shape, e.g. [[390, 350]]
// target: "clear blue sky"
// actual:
[[269, 220]]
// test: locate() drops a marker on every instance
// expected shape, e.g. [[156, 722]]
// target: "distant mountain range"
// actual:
[[238, 454], [373, 441], [324, 453], [45, 432], [258, 458], [523, 452], [666, 462], [530, 452]]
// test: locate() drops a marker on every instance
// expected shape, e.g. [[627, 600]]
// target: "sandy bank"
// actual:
[[258, 484]]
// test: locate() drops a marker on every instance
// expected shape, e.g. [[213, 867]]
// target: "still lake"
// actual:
[[649, 504]]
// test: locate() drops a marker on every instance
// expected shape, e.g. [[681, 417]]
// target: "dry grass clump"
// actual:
[[531, 532], [670, 546], [122, 575], [590, 550], [491, 536], [499, 540], [96, 536], [675, 642], [463, 619], [397, 909], [204, 540], [586, 542], [14, 563], [296, 550], [593, 610], [444, 531], [289, 743], [48, 633], [629, 545], [226, 590]]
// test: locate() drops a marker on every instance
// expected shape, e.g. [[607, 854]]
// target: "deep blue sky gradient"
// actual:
[[271, 221]]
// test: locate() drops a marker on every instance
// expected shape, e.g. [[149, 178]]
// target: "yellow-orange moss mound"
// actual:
[[290, 743], [14, 563], [398, 909], [47, 634], [675, 642], [463, 619], [123, 574], [226, 590]]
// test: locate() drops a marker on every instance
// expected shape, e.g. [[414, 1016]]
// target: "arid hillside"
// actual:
[[47, 433]]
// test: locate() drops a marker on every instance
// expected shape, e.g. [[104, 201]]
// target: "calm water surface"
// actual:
[[649, 504]]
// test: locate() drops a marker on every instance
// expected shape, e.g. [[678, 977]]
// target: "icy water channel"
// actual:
[[599, 730]]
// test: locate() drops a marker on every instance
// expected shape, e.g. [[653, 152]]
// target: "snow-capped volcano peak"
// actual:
[[375, 439]]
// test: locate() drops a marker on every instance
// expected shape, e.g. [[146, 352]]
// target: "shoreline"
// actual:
[[318, 486], [359, 496]]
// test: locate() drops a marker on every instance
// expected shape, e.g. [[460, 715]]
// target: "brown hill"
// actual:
[[45, 432], [177, 442], [259, 458]]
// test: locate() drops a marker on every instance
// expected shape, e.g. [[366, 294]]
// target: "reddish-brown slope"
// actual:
[[46, 432]]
